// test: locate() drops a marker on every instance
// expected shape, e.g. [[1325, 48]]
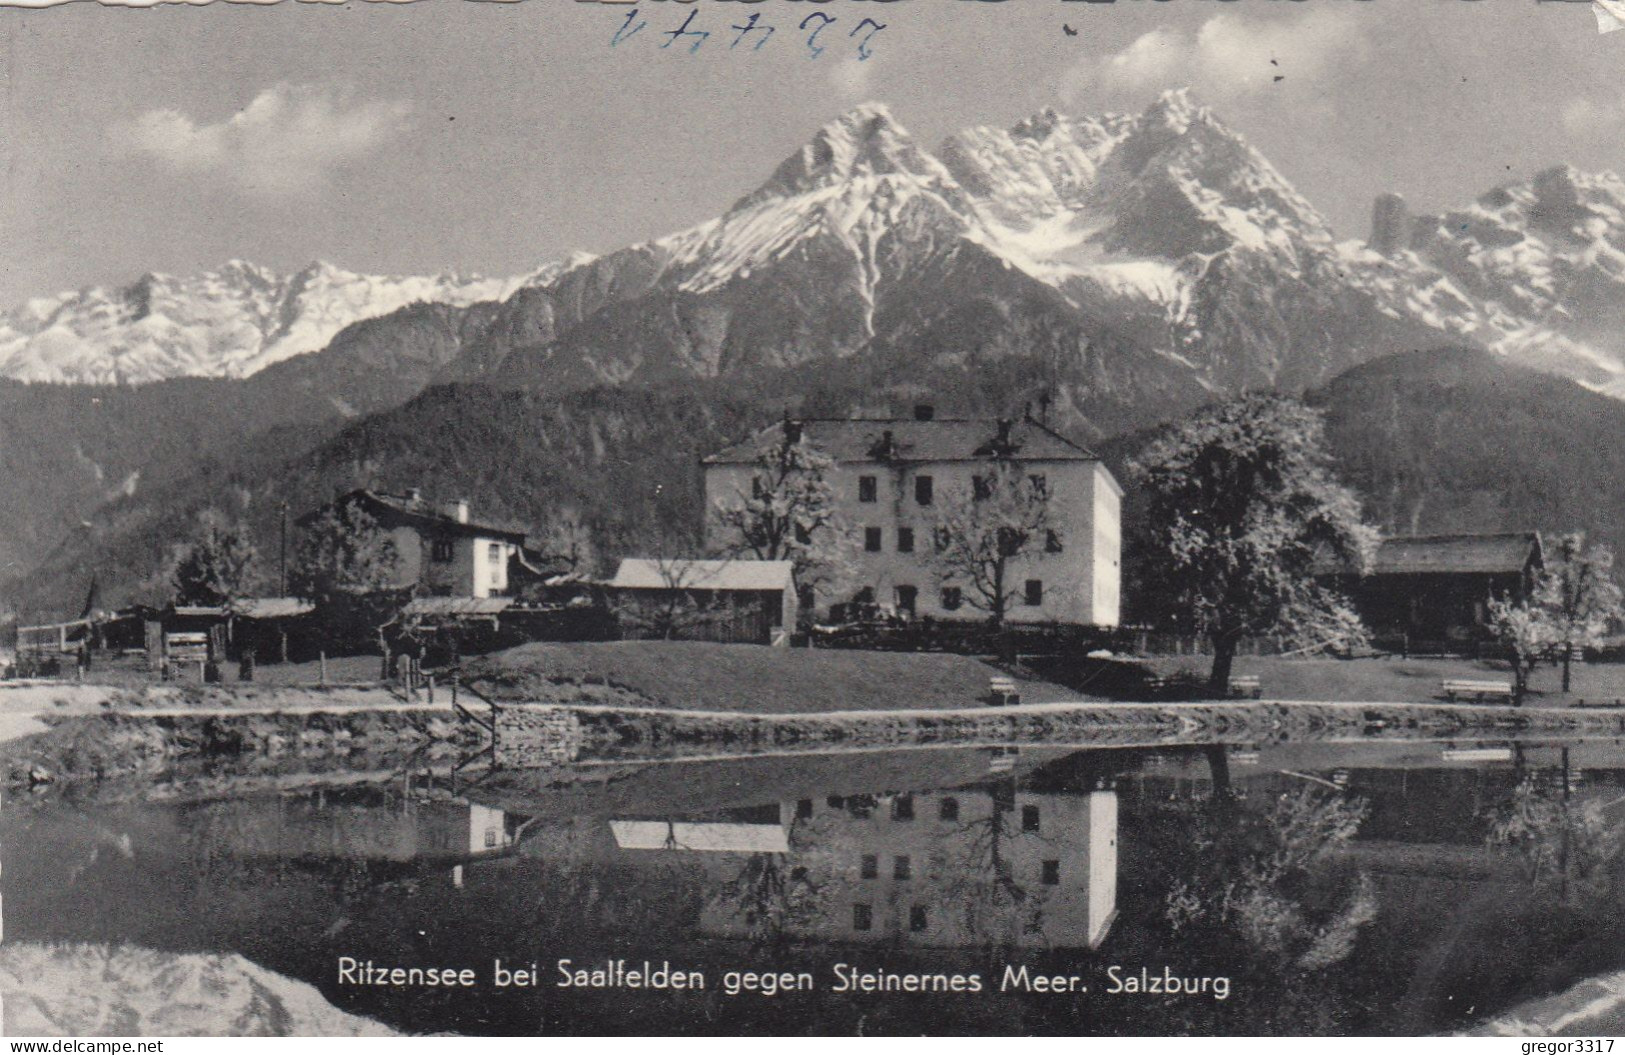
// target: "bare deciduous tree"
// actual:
[[985, 528]]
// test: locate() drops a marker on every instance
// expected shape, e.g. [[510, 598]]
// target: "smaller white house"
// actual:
[[731, 601], [444, 550]]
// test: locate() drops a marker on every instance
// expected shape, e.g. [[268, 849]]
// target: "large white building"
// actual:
[[890, 479]]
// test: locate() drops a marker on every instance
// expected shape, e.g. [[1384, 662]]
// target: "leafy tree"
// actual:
[[218, 565], [1241, 506], [984, 528], [346, 564], [343, 552], [788, 510], [1579, 596], [1527, 630]]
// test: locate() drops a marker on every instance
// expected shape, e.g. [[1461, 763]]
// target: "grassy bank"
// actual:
[[1392, 678], [685, 675]]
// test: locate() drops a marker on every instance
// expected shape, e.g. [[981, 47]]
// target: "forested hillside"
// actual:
[[1451, 440]]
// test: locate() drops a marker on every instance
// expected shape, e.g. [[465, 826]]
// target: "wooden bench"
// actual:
[[1246, 685], [1001, 692], [1452, 688]]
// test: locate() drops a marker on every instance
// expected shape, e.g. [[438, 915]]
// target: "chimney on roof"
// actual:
[[924, 412], [458, 510], [1004, 432], [792, 431], [414, 496]]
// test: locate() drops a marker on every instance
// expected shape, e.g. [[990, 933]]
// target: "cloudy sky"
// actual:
[[492, 137]]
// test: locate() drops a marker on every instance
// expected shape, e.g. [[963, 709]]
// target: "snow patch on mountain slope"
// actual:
[[231, 322]]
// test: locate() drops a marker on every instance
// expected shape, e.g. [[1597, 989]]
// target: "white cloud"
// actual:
[[1591, 117], [286, 141], [1226, 57]]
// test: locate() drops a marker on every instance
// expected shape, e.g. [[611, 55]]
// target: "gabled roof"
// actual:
[[1508, 552], [272, 607], [392, 509], [457, 605], [1491, 554], [640, 574], [912, 440]]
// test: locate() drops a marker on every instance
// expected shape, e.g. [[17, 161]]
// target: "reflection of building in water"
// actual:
[[939, 869], [363, 828]]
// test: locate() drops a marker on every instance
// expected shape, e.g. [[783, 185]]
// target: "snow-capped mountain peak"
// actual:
[[865, 141], [228, 322]]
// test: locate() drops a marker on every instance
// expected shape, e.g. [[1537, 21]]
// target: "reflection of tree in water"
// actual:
[[774, 895], [993, 908], [1252, 892], [1564, 848]]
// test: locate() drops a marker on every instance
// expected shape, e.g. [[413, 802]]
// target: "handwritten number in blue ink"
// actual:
[[751, 27], [622, 33], [816, 48], [864, 50], [700, 35]]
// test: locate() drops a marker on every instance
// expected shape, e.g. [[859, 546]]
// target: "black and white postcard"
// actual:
[[843, 518]]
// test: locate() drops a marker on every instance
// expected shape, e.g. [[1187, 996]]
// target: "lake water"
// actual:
[[1305, 889]]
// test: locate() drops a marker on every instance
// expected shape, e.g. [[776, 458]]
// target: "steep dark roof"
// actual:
[[1508, 552], [1492, 554], [937, 440], [391, 509]]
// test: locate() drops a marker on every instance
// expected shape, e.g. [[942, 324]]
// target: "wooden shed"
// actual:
[[1431, 593], [729, 601]]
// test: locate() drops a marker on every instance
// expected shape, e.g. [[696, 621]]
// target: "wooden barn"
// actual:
[[730, 601], [1431, 593]]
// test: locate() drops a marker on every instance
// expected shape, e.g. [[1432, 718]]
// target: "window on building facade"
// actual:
[[862, 917], [865, 595], [948, 809], [1052, 873], [924, 488], [1040, 485], [442, 550], [916, 918], [981, 488], [804, 809], [907, 599], [1052, 541], [868, 489], [490, 837], [905, 540], [494, 551], [870, 867], [952, 598], [902, 808], [1035, 592], [1029, 818], [902, 867], [871, 539]]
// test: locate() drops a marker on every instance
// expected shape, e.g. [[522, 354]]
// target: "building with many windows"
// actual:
[[891, 480]]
